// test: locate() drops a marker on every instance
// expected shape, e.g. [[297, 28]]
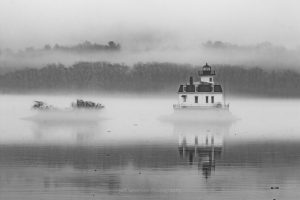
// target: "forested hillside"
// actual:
[[147, 77]]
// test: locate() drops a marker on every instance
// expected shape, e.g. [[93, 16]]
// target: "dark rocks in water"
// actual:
[[40, 105], [275, 188], [79, 104], [86, 104]]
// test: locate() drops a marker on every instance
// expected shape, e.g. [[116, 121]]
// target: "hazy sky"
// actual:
[[186, 22]]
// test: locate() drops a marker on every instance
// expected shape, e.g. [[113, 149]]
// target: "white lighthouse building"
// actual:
[[202, 94]]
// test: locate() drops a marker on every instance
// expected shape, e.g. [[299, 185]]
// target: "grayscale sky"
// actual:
[[184, 22]]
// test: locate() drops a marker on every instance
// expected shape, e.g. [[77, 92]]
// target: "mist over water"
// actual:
[[247, 33], [264, 55], [129, 151], [137, 147]]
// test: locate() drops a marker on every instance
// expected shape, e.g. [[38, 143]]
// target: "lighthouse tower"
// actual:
[[207, 76], [202, 94]]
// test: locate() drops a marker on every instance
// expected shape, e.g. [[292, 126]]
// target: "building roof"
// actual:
[[202, 87]]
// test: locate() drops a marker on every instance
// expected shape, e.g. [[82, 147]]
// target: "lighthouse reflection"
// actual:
[[201, 144]]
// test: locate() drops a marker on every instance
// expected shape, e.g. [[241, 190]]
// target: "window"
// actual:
[[206, 99], [210, 79], [184, 98], [196, 99], [212, 99]]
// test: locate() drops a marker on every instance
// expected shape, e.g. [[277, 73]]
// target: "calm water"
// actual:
[[129, 152]]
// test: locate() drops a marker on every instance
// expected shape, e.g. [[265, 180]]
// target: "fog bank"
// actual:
[[264, 55]]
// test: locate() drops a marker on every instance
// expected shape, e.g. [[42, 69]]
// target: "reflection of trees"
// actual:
[[80, 132], [102, 182]]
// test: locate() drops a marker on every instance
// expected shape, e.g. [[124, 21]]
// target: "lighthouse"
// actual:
[[207, 75], [201, 94]]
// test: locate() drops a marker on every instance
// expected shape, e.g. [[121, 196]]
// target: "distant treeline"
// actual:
[[85, 47], [147, 77]]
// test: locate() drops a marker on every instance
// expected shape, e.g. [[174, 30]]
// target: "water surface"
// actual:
[[129, 152]]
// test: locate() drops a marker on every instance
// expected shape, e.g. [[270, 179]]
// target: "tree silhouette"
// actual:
[[147, 77]]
